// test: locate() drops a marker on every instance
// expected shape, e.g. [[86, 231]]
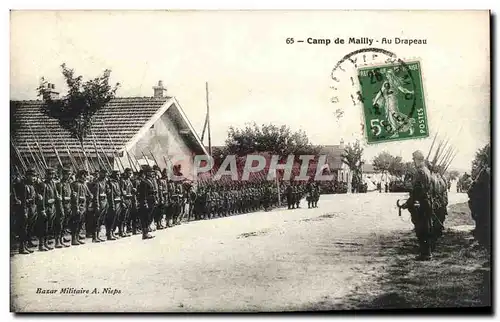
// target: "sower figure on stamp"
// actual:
[[80, 197], [28, 198], [101, 192], [128, 196], [47, 214], [420, 206], [148, 200], [115, 202], [64, 208]]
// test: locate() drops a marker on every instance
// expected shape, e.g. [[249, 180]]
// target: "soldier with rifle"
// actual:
[[148, 200], [115, 205], [26, 198], [101, 193], [164, 200], [128, 192], [81, 197], [420, 206], [50, 198], [63, 211]]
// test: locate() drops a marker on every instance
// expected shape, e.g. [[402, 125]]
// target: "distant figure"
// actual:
[[386, 187], [379, 187]]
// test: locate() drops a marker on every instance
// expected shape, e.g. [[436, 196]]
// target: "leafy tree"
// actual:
[[382, 162], [351, 156], [82, 101], [281, 141], [396, 167], [481, 161], [452, 175]]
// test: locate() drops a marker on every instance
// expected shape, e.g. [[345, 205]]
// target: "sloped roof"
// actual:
[[368, 168], [123, 119], [333, 153]]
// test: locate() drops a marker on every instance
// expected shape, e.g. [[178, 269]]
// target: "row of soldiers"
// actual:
[[48, 208], [129, 203]]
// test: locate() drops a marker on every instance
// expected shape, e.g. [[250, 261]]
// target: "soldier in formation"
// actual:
[[108, 205]]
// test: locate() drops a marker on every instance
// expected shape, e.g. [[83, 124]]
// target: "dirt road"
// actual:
[[282, 260]]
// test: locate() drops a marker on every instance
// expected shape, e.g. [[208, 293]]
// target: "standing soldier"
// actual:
[[310, 195], [162, 208], [63, 211], [289, 196], [81, 196], [148, 200], [420, 201], [128, 199], [135, 221], [26, 198], [46, 217], [101, 205], [192, 196], [115, 203]]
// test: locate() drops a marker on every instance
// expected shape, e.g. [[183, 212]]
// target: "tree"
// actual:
[[281, 141], [351, 156], [396, 167], [452, 175], [82, 101], [481, 161], [382, 162]]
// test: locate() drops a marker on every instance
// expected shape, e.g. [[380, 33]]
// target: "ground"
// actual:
[[352, 252]]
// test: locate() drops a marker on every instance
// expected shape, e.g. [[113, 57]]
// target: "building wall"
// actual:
[[166, 144]]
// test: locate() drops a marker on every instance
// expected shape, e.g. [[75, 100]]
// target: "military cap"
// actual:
[[115, 171], [147, 168], [66, 170], [127, 170], [82, 173], [103, 171], [418, 155], [50, 170], [30, 172], [156, 168]]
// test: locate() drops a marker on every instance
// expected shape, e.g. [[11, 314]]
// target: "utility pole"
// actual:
[[208, 124]]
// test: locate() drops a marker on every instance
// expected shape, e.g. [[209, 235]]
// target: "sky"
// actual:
[[254, 75]]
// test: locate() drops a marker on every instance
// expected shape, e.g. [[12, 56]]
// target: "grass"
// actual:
[[458, 275]]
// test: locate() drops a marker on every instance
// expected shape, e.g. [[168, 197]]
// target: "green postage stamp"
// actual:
[[393, 102]]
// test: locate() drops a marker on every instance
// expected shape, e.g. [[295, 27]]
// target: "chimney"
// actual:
[[342, 146], [158, 90], [52, 91]]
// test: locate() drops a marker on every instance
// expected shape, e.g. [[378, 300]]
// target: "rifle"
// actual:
[[145, 157], [70, 156], [102, 150], [112, 144], [99, 160], [89, 162], [18, 154], [38, 166], [54, 147], [132, 165], [38, 145], [154, 159]]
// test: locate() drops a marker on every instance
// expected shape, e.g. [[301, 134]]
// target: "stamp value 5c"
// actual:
[[393, 102]]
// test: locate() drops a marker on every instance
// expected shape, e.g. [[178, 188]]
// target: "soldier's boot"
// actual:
[[41, 245], [23, 249], [97, 234], [109, 236], [30, 243], [27, 248], [95, 239], [63, 242], [58, 243], [80, 240], [74, 239], [425, 251], [46, 244], [64, 239]]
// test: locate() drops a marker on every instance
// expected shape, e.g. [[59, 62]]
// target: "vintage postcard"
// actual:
[[249, 161]]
